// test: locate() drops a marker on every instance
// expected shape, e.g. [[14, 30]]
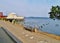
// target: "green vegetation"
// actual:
[[55, 12]]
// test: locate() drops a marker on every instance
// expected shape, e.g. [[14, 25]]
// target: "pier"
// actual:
[[18, 31]]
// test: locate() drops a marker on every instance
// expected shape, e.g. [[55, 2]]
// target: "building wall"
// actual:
[[1, 14]]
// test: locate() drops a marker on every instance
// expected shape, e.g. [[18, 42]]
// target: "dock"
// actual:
[[26, 36]]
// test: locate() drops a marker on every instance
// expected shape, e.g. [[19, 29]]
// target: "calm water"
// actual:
[[44, 24]]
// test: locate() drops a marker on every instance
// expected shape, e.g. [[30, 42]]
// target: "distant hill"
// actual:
[[38, 17]]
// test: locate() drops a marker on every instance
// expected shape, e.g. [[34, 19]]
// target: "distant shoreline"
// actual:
[[39, 17]]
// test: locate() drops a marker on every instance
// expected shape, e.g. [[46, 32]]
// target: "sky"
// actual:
[[27, 8]]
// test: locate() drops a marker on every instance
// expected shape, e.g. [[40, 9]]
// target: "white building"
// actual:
[[14, 16]]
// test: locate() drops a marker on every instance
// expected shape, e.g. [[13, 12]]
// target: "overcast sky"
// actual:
[[36, 8]]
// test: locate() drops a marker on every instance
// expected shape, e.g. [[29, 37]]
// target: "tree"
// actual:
[[55, 12]]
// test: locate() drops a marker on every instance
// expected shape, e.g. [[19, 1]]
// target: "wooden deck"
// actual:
[[25, 36]]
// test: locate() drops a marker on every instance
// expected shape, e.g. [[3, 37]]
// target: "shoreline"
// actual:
[[21, 34], [41, 32], [57, 37], [50, 35]]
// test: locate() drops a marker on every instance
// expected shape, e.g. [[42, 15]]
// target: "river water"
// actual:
[[44, 24]]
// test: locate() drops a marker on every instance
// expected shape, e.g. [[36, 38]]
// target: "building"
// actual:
[[1, 15], [13, 16]]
